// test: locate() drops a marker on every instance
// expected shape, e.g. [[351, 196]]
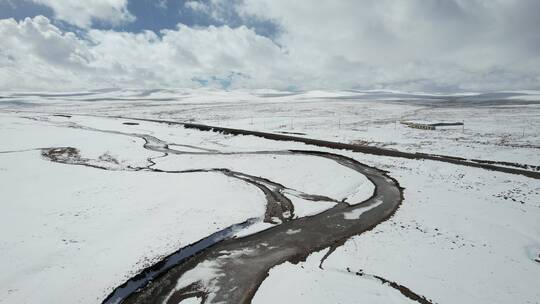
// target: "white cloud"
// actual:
[[218, 10], [408, 45], [197, 6], [37, 55], [465, 44], [83, 13]]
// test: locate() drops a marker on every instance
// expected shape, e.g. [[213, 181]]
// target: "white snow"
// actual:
[[461, 235], [309, 174], [303, 207], [256, 227], [95, 228], [356, 213], [194, 300], [293, 231], [502, 132], [307, 283], [205, 274], [66, 227]]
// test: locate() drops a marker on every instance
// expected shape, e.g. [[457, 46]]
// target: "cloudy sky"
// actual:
[[414, 45]]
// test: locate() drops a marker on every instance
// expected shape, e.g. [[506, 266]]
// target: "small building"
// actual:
[[430, 125]]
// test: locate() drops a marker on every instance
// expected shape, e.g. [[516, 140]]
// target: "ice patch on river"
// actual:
[[194, 300], [259, 226], [356, 213], [205, 274]]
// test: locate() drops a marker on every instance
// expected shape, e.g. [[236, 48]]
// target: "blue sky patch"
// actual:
[[150, 15]]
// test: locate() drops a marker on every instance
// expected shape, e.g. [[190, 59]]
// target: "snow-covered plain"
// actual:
[[499, 126], [461, 235], [86, 229]]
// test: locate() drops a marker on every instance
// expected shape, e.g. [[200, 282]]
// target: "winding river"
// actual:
[[222, 268]]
